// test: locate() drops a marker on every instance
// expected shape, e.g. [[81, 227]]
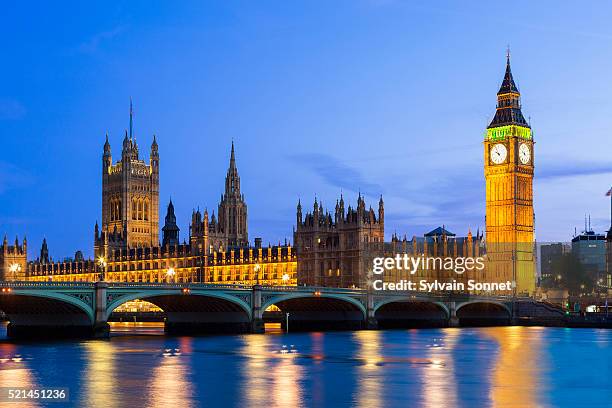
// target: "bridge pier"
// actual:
[[453, 320], [371, 322], [101, 328], [257, 323], [514, 319]]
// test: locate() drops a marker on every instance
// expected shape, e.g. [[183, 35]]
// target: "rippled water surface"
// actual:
[[502, 366]]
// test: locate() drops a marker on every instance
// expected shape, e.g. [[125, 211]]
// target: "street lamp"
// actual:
[[15, 268], [170, 274], [285, 278], [102, 263]]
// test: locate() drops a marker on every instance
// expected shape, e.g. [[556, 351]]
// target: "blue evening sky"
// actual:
[[382, 96]]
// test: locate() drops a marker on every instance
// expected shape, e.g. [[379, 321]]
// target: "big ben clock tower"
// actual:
[[508, 168]]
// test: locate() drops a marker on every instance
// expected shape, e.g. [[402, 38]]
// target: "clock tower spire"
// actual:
[[508, 169]]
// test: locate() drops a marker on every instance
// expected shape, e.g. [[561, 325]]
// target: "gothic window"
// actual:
[[140, 209], [134, 209], [146, 210]]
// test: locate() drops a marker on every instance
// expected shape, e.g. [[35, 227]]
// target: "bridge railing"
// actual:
[[441, 296], [176, 285], [29, 284]]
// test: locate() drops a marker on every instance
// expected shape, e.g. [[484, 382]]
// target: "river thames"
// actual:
[[467, 367]]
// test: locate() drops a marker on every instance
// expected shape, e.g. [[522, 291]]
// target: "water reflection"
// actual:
[[369, 381], [255, 367], [439, 388], [515, 376], [470, 367], [15, 372], [286, 379], [272, 375], [100, 387], [170, 384]]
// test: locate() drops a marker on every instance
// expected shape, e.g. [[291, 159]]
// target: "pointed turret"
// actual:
[[170, 229], [44, 252], [154, 158], [508, 103], [107, 147], [107, 159], [232, 180], [508, 85], [126, 150], [154, 146]]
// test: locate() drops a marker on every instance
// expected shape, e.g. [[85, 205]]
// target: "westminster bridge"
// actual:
[[48, 309]]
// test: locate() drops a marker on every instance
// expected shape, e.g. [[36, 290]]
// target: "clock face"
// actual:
[[498, 153], [524, 153]]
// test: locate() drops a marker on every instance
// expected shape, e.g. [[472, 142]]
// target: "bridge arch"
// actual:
[[197, 311], [320, 311], [283, 298], [408, 300], [154, 297], [409, 312], [20, 301], [483, 313], [45, 314]]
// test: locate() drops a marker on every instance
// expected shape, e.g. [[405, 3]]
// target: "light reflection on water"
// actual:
[[503, 366], [14, 370], [517, 367]]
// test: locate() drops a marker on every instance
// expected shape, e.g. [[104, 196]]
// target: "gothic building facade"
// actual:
[[127, 246], [13, 259], [333, 249]]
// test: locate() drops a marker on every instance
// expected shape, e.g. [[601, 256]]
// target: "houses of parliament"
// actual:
[[332, 248], [127, 245]]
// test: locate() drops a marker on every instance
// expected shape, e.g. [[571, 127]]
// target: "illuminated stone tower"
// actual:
[[130, 197], [13, 260], [231, 230], [508, 169]]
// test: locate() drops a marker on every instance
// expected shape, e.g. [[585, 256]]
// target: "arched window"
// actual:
[[146, 210], [134, 209]]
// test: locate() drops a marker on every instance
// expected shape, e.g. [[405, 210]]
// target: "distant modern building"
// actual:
[[608, 279], [590, 249], [548, 254]]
